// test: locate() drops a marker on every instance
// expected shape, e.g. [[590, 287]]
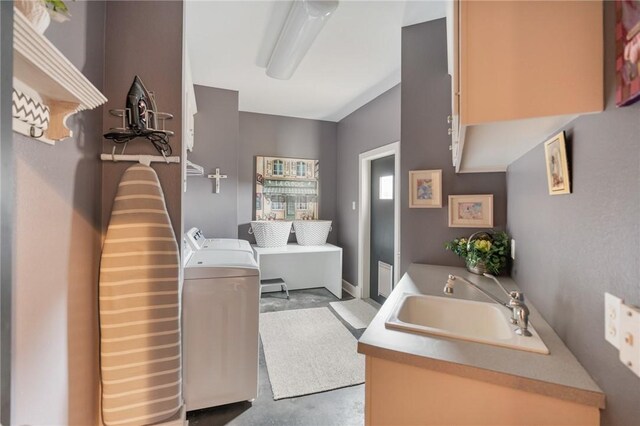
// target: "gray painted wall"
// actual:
[[57, 217], [231, 140], [573, 248], [159, 65], [374, 125], [426, 102], [262, 134], [216, 145]]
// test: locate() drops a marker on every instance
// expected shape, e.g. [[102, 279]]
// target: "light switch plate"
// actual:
[[629, 338], [612, 307]]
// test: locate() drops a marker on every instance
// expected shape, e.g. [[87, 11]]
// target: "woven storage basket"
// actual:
[[271, 233], [312, 232]]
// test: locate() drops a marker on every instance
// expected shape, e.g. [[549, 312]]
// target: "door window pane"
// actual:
[[386, 188]]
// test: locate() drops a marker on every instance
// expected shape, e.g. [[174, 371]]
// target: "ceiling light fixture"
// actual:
[[304, 21]]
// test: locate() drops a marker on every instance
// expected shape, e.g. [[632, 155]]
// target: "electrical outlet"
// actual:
[[612, 308], [353, 205], [513, 249], [630, 338]]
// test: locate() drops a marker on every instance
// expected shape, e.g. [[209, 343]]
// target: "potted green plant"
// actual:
[[58, 10], [483, 252], [40, 12]]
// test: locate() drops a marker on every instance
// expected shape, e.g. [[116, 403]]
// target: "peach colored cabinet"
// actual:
[[402, 394], [520, 71]]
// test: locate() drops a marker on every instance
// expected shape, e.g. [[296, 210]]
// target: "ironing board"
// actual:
[[140, 352]]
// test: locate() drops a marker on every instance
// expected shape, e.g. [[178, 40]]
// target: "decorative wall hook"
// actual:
[[32, 132]]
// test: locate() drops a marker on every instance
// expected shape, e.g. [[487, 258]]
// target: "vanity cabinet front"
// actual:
[[402, 394]]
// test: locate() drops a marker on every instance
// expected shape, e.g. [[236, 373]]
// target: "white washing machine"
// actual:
[[221, 307], [198, 241]]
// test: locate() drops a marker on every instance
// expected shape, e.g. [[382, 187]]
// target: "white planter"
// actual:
[[271, 233], [312, 232], [36, 12]]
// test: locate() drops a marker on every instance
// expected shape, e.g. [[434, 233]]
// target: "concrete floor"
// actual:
[[340, 407]]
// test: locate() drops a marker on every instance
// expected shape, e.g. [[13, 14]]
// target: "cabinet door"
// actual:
[[403, 394], [452, 66], [523, 59], [453, 59]]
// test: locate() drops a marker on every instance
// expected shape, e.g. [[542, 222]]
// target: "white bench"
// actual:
[[302, 266]]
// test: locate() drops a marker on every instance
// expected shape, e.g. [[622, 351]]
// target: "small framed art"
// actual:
[[471, 211], [425, 189], [627, 33], [555, 153]]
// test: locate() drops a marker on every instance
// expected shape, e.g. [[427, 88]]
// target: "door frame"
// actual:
[[364, 215], [7, 201]]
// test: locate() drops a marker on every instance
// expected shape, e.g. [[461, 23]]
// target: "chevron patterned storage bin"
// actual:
[[312, 232], [271, 233], [30, 111]]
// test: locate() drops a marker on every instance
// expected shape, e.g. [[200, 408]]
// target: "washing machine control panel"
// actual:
[[196, 238]]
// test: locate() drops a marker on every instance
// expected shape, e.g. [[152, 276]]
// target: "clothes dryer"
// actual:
[[221, 308]]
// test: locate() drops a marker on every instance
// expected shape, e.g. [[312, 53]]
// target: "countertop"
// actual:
[[558, 374]]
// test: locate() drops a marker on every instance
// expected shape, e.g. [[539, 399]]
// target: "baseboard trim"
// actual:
[[351, 289]]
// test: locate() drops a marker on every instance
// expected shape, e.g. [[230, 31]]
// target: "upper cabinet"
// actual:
[[189, 108], [190, 105], [520, 71]]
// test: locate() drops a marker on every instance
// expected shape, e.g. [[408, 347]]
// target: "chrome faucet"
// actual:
[[519, 311]]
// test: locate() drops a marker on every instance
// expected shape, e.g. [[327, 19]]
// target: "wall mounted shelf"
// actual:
[[194, 169], [47, 88]]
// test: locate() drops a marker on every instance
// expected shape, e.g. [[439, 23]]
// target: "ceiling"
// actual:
[[355, 58]]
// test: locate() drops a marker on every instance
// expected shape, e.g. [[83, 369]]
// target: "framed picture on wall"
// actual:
[[471, 211], [555, 153], [425, 189], [627, 32], [287, 188]]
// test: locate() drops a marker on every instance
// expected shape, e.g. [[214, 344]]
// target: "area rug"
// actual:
[[309, 351], [356, 312]]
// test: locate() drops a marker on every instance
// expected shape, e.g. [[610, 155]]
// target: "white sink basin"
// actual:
[[461, 319]]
